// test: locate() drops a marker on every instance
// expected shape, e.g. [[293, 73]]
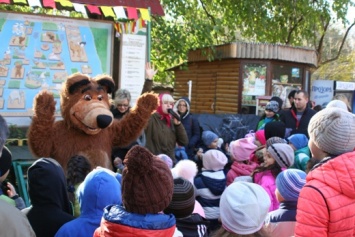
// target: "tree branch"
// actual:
[[320, 44], [341, 46], [288, 40], [210, 16]]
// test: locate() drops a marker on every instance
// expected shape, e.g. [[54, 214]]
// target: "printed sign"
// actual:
[[322, 91]]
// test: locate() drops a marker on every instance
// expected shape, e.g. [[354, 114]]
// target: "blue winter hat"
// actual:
[[208, 137], [298, 140], [290, 182]]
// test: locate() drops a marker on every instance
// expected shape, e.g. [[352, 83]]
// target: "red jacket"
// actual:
[[116, 221], [326, 206]]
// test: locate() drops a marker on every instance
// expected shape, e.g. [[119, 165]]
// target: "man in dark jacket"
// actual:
[[297, 119]]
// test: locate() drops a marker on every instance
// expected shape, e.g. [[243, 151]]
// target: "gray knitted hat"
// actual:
[[272, 106], [333, 131], [283, 154]]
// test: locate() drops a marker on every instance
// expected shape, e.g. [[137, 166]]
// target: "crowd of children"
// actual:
[[255, 186]]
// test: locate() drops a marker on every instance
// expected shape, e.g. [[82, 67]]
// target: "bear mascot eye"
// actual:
[[87, 97], [100, 97]]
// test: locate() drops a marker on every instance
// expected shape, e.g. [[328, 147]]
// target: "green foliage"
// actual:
[[16, 132], [195, 24]]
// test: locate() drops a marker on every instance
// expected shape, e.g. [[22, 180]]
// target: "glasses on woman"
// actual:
[[181, 105], [122, 105]]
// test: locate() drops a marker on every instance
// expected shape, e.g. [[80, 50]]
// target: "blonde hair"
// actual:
[[167, 98]]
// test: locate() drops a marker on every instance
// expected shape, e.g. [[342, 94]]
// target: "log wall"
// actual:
[[215, 86]]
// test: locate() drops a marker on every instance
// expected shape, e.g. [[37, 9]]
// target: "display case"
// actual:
[[261, 102], [286, 78]]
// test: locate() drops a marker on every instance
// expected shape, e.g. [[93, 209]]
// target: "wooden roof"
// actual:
[[262, 51]]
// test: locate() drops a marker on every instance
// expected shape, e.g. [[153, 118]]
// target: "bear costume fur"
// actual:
[[88, 127]]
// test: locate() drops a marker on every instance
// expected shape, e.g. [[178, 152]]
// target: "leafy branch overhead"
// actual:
[[195, 24]]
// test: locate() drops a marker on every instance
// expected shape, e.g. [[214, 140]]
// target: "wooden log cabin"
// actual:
[[241, 74]]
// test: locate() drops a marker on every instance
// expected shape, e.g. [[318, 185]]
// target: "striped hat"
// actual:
[[332, 130], [183, 202], [290, 182], [283, 154]]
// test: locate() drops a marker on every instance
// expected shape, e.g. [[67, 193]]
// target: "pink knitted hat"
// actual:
[[260, 135], [214, 160], [241, 149]]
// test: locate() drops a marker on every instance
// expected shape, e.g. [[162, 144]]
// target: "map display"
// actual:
[[39, 52]]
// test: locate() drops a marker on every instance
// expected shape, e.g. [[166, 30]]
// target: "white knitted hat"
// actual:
[[332, 130], [243, 207]]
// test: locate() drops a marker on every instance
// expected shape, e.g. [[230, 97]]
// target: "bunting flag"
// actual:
[[120, 13], [65, 3], [20, 1], [79, 8], [49, 3], [116, 12], [93, 9], [107, 11], [144, 14], [132, 13], [34, 3]]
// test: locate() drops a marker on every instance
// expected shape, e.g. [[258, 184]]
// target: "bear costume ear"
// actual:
[[76, 81], [107, 82]]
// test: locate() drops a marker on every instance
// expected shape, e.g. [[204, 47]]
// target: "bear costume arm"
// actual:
[[40, 131], [132, 124]]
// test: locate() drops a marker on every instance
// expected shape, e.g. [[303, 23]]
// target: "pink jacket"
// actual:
[[240, 169], [326, 206], [268, 182]]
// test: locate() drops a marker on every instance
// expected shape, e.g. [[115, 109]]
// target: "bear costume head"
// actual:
[[85, 103]]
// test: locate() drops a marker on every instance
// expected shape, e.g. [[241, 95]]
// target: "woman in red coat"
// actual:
[[326, 206]]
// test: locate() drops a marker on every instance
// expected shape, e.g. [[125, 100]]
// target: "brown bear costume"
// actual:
[[88, 127]]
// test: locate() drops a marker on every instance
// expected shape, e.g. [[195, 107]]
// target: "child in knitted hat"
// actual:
[[259, 141], [187, 169], [244, 207], [147, 189], [167, 160], [7, 191], [327, 202], [277, 157], [210, 141], [240, 151], [270, 115], [182, 206], [282, 221], [299, 143], [210, 184]]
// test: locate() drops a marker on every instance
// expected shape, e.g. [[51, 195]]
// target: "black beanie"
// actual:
[[275, 129]]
